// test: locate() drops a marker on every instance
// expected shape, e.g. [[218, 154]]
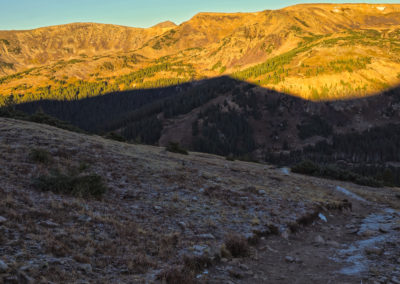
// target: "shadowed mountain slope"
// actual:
[[233, 118]]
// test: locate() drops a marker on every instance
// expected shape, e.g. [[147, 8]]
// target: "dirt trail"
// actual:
[[353, 246]]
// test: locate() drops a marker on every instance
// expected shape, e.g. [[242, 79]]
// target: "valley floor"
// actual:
[[183, 218]]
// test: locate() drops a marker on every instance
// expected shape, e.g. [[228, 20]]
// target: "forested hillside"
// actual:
[[243, 121]]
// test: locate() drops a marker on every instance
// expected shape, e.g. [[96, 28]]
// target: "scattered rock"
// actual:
[[333, 244], [49, 224], [383, 230], [2, 220], [322, 217], [86, 267], [3, 266], [374, 250], [10, 279], [206, 236], [353, 231], [285, 171], [298, 260], [368, 233], [319, 240], [235, 273], [252, 238], [182, 225], [84, 218], [200, 249], [25, 279], [382, 279], [270, 249], [157, 208], [262, 192], [285, 234], [395, 280], [235, 261], [244, 267], [289, 259], [26, 268], [55, 261]]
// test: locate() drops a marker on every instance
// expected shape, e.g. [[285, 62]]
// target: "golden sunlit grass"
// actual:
[[232, 42]]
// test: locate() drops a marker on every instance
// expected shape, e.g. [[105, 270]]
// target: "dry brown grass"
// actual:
[[237, 245], [137, 227]]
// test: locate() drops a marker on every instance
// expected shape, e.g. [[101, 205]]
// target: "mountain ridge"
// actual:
[[315, 51]]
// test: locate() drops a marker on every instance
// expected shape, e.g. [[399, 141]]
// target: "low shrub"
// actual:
[[176, 148], [115, 136], [43, 118], [237, 246], [176, 275], [333, 172], [196, 263], [91, 185], [38, 117], [40, 156], [230, 157], [306, 167]]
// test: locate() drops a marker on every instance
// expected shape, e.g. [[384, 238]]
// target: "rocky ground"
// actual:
[[184, 219]]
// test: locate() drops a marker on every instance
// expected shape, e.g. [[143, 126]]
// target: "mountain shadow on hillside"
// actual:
[[233, 118]]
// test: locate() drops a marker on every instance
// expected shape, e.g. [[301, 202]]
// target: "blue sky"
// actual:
[[27, 14]]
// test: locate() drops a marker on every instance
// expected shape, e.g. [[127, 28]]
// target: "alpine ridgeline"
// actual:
[[315, 51]]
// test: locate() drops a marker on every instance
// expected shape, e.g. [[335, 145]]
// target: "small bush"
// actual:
[[176, 275], [176, 148], [333, 172], [43, 118], [237, 246], [115, 136], [196, 263], [40, 156], [224, 252], [79, 186], [9, 111], [230, 157], [306, 167]]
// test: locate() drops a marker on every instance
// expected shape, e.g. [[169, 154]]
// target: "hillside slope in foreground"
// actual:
[[182, 219]]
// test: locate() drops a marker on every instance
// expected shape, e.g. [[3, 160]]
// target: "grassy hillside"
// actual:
[[317, 52], [156, 216]]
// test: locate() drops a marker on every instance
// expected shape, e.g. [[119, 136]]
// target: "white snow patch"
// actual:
[[381, 8], [285, 171], [350, 194], [322, 217]]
